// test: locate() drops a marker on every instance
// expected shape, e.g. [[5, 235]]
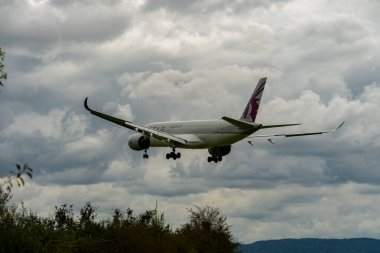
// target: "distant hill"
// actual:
[[360, 245]]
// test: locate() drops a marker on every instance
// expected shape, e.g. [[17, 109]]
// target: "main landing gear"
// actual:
[[145, 155], [214, 159], [173, 155]]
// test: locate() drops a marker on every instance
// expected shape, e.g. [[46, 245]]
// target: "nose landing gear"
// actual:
[[145, 155]]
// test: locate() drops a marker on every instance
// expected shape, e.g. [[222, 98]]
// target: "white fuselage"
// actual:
[[200, 133]]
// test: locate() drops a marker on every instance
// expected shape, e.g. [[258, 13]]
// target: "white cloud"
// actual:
[[58, 123]]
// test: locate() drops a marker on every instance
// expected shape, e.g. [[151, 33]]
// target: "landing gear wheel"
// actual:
[[173, 155], [214, 159]]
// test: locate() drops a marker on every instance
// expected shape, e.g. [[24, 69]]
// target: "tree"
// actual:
[[207, 231], [87, 213], [16, 175], [64, 216]]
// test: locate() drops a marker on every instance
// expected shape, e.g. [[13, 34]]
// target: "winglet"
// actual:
[[85, 104], [241, 124], [341, 124]]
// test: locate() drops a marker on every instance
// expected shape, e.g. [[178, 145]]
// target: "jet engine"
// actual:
[[138, 142], [219, 151]]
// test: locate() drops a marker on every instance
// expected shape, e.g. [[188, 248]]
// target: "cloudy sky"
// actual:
[[176, 60]]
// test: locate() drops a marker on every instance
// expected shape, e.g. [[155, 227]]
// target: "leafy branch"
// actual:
[[17, 177]]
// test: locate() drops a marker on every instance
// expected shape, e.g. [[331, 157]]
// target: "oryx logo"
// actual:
[[252, 107]]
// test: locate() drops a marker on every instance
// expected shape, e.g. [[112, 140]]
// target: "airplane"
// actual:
[[217, 135]]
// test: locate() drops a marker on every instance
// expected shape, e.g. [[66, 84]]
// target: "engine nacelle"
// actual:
[[220, 151], [138, 142]]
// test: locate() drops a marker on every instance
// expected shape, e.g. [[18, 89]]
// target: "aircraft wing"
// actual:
[[138, 128], [270, 136]]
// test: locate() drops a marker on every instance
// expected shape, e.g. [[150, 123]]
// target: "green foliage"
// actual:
[[208, 231], [3, 75], [87, 214], [64, 217], [24, 231]]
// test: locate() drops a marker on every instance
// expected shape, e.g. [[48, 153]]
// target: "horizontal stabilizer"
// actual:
[[282, 125], [296, 134], [241, 124]]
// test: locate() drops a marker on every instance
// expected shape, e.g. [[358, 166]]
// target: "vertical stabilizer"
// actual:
[[252, 107]]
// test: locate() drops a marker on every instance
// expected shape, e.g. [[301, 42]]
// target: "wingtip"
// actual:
[[341, 124], [339, 127]]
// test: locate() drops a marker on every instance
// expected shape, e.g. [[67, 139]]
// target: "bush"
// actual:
[[24, 231]]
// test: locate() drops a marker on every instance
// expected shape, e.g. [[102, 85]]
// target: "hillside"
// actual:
[[360, 245]]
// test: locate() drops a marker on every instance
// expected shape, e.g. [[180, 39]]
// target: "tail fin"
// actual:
[[252, 107]]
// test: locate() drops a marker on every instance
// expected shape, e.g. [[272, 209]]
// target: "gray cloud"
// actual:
[[204, 7], [44, 26], [172, 60]]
